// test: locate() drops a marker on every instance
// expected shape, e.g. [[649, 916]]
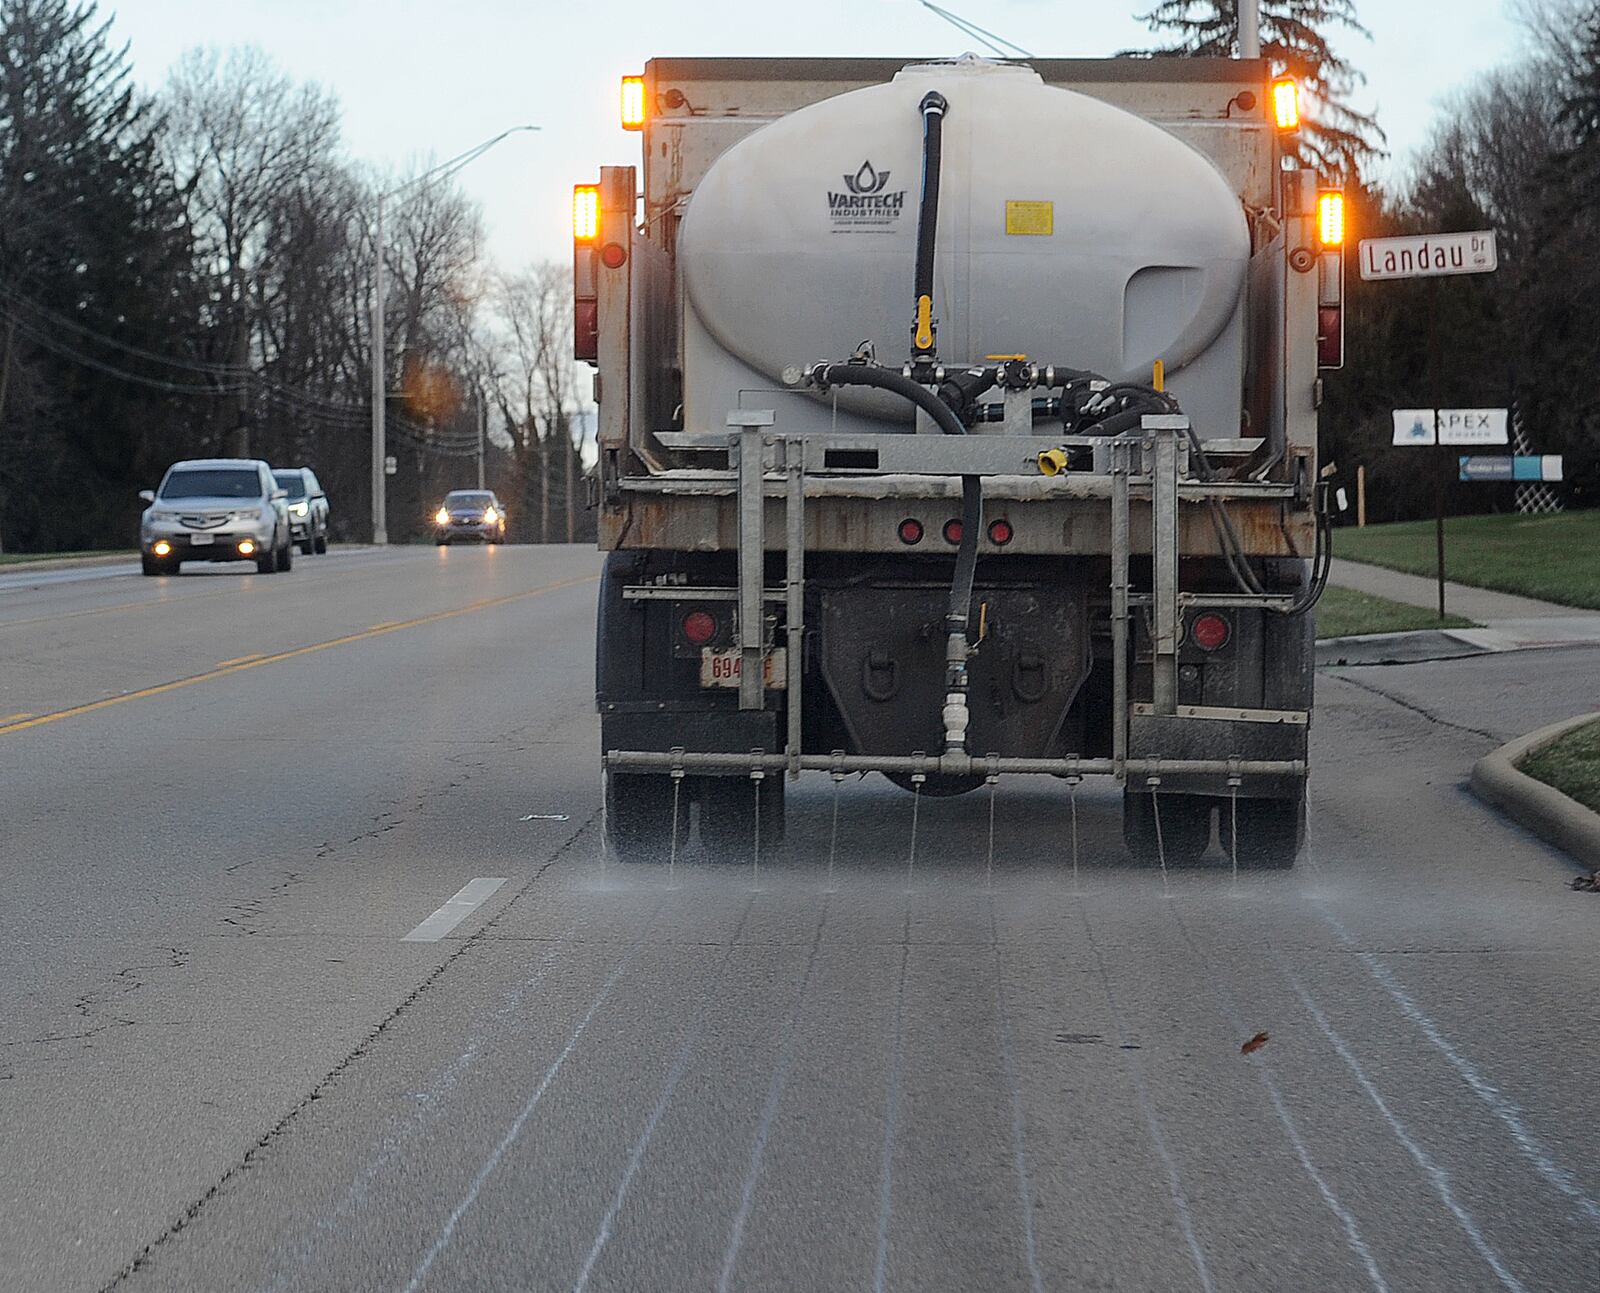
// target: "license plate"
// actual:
[[200, 540], [720, 667]]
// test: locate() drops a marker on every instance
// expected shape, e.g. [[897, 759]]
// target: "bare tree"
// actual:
[[538, 391], [243, 138]]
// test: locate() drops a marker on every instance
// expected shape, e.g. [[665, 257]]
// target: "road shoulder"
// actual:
[[1543, 809]]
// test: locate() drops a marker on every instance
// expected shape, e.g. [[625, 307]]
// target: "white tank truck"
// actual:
[[959, 421]]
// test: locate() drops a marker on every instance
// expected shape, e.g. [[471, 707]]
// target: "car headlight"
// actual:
[[490, 516], [442, 517], [299, 509]]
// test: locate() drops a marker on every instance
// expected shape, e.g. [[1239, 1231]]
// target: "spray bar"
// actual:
[[955, 765]]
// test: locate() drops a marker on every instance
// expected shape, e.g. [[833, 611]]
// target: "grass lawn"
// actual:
[[18, 558], [1344, 613], [1554, 558], [1571, 765]]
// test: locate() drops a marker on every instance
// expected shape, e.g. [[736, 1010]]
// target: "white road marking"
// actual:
[[472, 896]]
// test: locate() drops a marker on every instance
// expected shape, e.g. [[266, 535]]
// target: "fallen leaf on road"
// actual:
[[1587, 883], [1254, 1044]]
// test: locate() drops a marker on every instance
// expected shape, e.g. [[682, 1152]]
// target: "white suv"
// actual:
[[215, 509]]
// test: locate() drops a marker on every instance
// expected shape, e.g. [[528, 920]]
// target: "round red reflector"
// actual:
[[910, 530], [1000, 533], [952, 531], [612, 255], [699, 627], [1210, 631]]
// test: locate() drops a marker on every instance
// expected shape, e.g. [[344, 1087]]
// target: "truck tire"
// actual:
[[727, 817], [1185, 832], [639, 817], [157, 565], [285, 561], [1271, 832]]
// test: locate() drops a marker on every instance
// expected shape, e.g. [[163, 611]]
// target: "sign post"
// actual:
[[1432, 256]]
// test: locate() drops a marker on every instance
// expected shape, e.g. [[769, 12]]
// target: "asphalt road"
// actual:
[[235, 1055]]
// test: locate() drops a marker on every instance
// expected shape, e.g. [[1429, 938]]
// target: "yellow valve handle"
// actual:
[[1052, 462], [1158, 377], [924, 337]]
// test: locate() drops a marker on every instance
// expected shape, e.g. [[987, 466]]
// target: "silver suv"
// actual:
[[215, 509]]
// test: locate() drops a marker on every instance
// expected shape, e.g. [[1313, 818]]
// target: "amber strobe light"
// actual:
[[633, 103], [1330, 218], [585, 212], [1286, 103]]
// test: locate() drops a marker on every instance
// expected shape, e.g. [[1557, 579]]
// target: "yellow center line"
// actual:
[[240, 659], [12, 718], [21, 723]]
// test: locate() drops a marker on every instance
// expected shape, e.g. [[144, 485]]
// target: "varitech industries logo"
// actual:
[[867, 205]]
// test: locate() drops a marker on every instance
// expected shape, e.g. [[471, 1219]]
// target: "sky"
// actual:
[[421, 81]]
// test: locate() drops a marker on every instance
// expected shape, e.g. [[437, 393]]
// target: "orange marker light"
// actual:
[[1286, 103], [585, 212], [1330, 218], [633, 103]]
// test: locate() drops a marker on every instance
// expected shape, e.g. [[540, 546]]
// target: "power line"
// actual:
[[981, 34]]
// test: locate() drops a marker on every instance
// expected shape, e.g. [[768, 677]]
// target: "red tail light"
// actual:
[[1000, 533], [952, 531], [1210, 631], [910, 531], [700, 627]]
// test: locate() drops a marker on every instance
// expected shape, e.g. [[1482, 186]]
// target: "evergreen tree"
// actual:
[[95, 266], [1334, 139]]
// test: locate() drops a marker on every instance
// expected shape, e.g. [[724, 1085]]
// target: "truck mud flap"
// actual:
[[1199, 732]]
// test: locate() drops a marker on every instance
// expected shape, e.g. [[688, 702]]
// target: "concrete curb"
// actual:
[[1544, 810]]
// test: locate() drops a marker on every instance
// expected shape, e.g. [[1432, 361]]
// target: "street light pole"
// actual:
[[380, 448], [380, 451], [483, 427]]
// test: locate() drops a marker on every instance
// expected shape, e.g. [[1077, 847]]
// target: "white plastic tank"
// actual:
[[1069, 231]]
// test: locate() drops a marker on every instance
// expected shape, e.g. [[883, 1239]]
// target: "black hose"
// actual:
[[933, 108], [886, 379]]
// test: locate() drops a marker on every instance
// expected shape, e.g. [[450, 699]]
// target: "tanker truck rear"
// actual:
[[958, 422]]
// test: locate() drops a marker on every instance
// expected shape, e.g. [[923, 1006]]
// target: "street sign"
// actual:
[[1450, 426], [1432, 255], [391, 465], [1501, 467]]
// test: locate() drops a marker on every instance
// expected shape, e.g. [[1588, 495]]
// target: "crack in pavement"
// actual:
[[90, 1006], [146, 1255], [1415, 708]]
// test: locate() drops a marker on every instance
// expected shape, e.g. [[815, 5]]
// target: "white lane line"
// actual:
[[1437, 1176], [473, 895]]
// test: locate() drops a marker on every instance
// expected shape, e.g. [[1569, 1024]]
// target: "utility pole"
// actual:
[[380, 482], [1249, 28], [483, 433]]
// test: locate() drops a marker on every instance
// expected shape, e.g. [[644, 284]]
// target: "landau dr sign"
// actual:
[[1435, 256]]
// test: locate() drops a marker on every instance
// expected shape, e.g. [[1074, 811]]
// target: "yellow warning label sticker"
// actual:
[[1037, 218]]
